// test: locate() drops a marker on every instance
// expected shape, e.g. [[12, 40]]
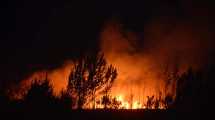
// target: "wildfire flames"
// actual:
[[141, 74]]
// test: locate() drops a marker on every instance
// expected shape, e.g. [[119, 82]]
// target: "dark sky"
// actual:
[[43, 33]]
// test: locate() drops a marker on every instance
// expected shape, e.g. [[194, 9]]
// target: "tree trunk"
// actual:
[[80, 101], [94, 100], [105, 103]]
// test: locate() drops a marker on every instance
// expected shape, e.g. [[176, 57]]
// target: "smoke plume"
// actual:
[[142, 59]]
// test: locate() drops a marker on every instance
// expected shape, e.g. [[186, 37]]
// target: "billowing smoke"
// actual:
[[58, 79], [144, 59]]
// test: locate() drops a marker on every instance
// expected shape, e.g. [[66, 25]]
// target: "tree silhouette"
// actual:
[[115, 104], [150, 102], [66, 100], [110, 77], [189, 89], [158, 101], [39, 96], [171, 77], [90, 74], [168, 101], [106, 101], [131, 99]]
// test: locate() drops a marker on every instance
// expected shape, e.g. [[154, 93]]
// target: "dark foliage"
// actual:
[[168, 101], [150, 102], [89, 75], [40, 96], [193, 93], [106, 101], [115, 103], [110, 103], [66, 100], [194, 89]]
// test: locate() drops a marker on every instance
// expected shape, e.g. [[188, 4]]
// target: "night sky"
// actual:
[[37, 34]]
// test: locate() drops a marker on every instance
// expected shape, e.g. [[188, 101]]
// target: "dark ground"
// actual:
[[105, 115]]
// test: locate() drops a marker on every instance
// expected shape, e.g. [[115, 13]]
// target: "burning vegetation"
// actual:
[[124, 77]]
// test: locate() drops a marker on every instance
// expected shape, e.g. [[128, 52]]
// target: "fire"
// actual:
[[137, 105], [119, 98], [124, 104], [58, 79], [138, 76], [141, 80]]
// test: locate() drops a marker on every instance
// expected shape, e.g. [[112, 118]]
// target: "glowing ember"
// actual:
[[124, 104]]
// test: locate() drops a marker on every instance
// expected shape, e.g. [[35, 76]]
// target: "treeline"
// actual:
[[92, 75]]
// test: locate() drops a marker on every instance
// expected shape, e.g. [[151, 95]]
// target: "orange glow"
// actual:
[[124, 104], [140, 73], [137, 105], [137, 74]]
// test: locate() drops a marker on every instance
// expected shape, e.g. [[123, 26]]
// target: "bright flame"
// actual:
[[124, 104], [137, 105], [140, 73], [138, 76], [119, 98]]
